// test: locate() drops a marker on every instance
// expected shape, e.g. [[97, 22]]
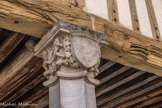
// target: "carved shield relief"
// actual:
[[86, 51]]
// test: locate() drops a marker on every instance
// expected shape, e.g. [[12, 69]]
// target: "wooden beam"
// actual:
[[17, 70], [35, 18], [135, 21], [108, 77], [131, 49], [72, 3], [106, 66], [123, 81], [159, 105], [27, 87], [149, 101], [106, 98], [38, 94], [149, 96], [112, 11], [10, 44], [113, 81], [153, 21], [129, 96], [42, 102], [1, 34]]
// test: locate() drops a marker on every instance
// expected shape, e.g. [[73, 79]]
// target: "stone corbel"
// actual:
[[71, 57]]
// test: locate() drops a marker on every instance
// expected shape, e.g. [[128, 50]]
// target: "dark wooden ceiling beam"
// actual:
[[26, 87], [149, 96], [106, 98], [10, 44], [43, 102], [132, 95], [114, 74], [1, 34], [106, 66], [123, 81], [19, 77], [13, 73], [149, 101], [159, 105], [37, 95]]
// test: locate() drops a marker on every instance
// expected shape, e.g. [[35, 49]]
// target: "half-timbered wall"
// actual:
[[144, 16]]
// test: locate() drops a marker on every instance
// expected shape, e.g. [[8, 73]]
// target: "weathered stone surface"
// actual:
[[70, 46], [71, 58]]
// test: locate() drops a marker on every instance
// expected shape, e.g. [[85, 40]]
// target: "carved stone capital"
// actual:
[[70, 51]]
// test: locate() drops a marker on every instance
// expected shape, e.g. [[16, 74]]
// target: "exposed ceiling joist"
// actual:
[[125, 46], [10, 44]]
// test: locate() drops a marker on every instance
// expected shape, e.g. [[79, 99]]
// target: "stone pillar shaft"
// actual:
[[72, 94], [72, 91]]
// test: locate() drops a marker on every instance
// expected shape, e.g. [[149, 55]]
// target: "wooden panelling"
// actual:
[[124, 13], [143, 17]]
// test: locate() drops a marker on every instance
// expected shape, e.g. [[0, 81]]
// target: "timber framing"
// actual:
[[125, 46], [153, 21], [134, 16], [113, 11]]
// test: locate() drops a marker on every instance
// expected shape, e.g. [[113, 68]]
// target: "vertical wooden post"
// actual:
[[113, 11], [135, 21], [153, 21]]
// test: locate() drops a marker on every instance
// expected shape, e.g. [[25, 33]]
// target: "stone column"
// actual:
[[71, 58]]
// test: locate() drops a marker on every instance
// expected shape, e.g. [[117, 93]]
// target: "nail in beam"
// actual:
[[71, 58]]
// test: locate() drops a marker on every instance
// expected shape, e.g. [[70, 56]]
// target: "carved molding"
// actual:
[[74, 47], [142, 50]]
